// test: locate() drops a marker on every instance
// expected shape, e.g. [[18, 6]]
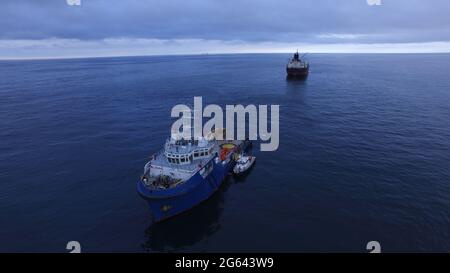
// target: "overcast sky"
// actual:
[[52, 28]]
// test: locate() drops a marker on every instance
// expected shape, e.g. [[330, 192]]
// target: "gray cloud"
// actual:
[[51, 28], [318, 21]]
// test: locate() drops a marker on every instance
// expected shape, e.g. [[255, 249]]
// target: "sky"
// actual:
[[55, 29]]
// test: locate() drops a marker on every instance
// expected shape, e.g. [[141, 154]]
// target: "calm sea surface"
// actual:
[[364, 154]]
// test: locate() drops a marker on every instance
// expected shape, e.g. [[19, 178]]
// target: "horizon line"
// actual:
[[212, 54]]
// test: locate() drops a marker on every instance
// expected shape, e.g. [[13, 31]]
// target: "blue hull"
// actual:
[[170, 202]]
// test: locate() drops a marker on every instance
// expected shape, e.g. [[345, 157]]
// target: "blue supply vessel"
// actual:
[[186, 172]]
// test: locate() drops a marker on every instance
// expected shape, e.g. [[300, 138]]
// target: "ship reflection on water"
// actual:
[[296, 79], [294, 85], [190, 227]]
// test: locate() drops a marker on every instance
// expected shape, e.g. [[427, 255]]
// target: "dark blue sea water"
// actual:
[[364, 154]]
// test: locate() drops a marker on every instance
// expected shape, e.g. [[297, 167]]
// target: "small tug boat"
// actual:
[[297, 68], [243, 164], [186, 172]]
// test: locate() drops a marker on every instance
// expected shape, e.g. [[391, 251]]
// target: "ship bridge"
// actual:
[[181, 151]]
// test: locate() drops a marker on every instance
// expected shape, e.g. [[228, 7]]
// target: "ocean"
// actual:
[[364, 154]]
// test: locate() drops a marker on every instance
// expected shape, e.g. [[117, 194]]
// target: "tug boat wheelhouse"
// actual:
[[297, 68], [186, 172], [243, 164]]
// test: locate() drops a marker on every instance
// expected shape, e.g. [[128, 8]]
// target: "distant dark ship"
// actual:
[[297, 68]]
